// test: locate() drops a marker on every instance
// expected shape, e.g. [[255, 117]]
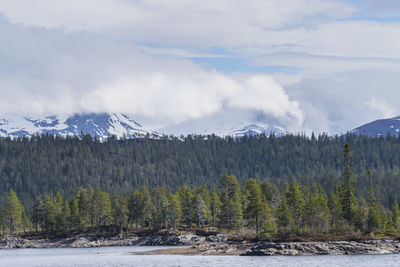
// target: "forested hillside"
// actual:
[[44, 165]]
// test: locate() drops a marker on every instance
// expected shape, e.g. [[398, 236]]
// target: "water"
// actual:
[[120, 256]]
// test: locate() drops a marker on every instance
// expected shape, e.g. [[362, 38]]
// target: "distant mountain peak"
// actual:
[[101, 125], [380, 127], [256, 129]]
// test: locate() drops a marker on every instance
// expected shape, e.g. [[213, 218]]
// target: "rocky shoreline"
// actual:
[[211, 245], [167, 239]]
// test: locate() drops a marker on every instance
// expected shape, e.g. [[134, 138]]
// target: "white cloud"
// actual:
[[180, 95], [381, 107], [48, 71], [346, 39], [340, 102], [230, 23]]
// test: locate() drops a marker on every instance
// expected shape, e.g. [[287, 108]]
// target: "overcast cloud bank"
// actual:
[[137, 57]]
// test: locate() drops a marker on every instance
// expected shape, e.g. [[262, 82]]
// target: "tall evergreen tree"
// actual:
[[215, 206], [84, 209], [375, 220], [174, 210], [284, 216], [37, 213], [120, 213], [296, 203], [201, 204], [317, 212], [160, 211], [231, 208], [140, 207], [347, 195], [186, 198], [74, 219], [255, 204], [396, 215]]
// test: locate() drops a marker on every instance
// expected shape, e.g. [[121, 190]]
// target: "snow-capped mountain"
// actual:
[[105, 125], [255, 129], [97, 125], [379, 127]]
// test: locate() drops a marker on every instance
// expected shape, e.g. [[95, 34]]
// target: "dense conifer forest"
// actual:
[[44, 165], [257, 210], [292, 185]]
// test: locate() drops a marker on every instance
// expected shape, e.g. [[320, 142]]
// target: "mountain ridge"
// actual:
[[380, 127], [102, 125], [105, 125]]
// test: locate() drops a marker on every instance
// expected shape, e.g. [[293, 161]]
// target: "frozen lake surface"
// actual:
[[121, 256]]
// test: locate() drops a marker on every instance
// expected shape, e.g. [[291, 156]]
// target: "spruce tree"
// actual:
[[374, 221], [348, 200]]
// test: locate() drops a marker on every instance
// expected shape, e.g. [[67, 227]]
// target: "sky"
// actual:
[[184, 66]]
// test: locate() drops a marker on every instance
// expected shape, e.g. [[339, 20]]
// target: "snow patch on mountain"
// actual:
[[97, 125], [104, 125], [256, 129]]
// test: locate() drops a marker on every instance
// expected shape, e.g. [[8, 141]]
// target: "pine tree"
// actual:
[[101, 208], [174, 210], [296, 203], [37, 213], [374, 217], [231, 208], [140, 207], [64, 216], [186, 198], [336, 219], [268, 225], [255, 204], [13, 212], [347, 195], [74, 219], [83, 207], [201, 200], [396, 215], [160, 210], [317, 213], [284, 216], [120, 212], [25, 220], [215, 206], [269, 190], [50, 213]]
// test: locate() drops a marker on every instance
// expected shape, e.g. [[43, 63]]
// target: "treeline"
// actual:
[[259, 208], [44, 165]]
